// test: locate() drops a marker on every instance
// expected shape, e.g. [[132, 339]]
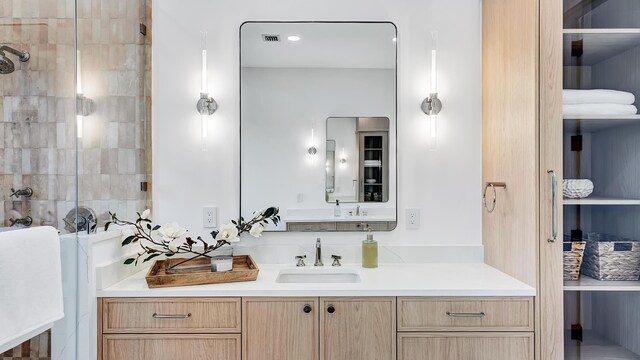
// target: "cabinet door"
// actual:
[[280, 328], [171, 347], [358, 328], [465, 346]]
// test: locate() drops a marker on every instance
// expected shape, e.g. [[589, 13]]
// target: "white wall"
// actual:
[[279, 109], [445, 185]]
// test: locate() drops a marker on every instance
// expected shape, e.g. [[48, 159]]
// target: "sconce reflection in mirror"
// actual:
[[84, 105], [206, 105], [312, 146], [343, 157], [432, 104]]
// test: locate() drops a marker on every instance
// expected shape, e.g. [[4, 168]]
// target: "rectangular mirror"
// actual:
[[318, 123]]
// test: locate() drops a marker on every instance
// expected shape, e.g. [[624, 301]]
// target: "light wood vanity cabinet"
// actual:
[[312, 328], [280, 328]]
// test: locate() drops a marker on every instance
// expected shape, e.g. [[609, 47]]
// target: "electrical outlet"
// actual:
[[210, 216], [413, 219]]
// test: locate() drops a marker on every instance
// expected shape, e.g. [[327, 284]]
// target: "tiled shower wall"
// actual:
[[37, 111], [37, 115], [37, 108]]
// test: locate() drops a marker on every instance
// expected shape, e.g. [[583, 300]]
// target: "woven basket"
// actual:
[[610, 258], [572, 254]]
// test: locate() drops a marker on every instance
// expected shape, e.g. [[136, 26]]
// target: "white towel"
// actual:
[[597, 96], [585, 110], [30, 284]]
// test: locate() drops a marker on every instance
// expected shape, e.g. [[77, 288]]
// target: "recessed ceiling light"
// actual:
[[293, 38], [394, 39]]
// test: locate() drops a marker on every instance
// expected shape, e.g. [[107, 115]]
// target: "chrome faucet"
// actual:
[[25, 221], [318, 253], [358, 210], [26, 192]]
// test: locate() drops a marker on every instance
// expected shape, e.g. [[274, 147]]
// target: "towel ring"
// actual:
[[493, 186]]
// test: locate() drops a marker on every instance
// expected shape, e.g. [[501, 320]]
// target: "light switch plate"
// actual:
[[210, 216], [413, 219]]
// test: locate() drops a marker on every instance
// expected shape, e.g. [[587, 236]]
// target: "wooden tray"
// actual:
[[244, 269]]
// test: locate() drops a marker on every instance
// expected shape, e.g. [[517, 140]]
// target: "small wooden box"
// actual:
[[244, 269]]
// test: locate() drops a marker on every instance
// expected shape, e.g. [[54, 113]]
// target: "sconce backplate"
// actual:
[[432, 105], [206, 105]]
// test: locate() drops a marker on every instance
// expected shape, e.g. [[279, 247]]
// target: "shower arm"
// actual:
[[22, 55]]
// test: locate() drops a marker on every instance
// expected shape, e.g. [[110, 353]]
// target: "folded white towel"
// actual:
[[597, 96], [31, 283], [585, 110]]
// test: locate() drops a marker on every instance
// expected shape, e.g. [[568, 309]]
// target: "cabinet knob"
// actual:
[[307, 308], [331, 309]]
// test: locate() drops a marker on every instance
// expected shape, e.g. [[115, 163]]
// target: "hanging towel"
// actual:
[[30, 284], [586, 110], [597, 96]]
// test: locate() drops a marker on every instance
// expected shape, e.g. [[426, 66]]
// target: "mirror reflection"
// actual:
[[318, 123]]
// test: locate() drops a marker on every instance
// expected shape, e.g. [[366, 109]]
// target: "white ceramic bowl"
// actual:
[[371, 181], [577, 188]]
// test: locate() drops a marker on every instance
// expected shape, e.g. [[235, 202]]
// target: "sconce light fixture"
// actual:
[[312, 147], [206, 105], [84, 105], [343, 158], [432, 104]]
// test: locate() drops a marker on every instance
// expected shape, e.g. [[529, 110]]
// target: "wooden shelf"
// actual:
[[600, 200], [595, 123], [599, 44], [586, 283], [595, 347]]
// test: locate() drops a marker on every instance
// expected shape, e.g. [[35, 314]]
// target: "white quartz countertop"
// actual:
[[397, 279]]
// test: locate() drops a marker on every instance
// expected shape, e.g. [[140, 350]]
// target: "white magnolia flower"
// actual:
[[171, 231], [145, 214], [256, 230], [228, 233], [127, 232], [174, 244]]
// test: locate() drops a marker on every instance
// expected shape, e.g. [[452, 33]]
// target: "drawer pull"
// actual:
[[160, 316], [466, 315]]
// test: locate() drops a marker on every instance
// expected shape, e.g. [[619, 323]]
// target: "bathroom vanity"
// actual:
[[397, 311]]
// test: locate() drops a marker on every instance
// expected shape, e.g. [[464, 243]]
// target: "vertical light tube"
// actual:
[[204, 92], [433, 119], [79, 117]]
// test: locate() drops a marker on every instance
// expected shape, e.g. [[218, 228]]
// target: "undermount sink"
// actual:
[[317, 276]]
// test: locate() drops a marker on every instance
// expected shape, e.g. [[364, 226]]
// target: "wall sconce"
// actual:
[[343, 158], [312, 146], [84, 105], [432, 104], [206, 105]]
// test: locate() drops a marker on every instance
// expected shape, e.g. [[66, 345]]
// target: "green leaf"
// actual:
[[106, 226], [128, 240], [156, 227], [151, 257], [129, 261], [149, 226], [234, 222]]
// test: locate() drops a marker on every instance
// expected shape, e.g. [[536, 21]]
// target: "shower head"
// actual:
[[6, 65]]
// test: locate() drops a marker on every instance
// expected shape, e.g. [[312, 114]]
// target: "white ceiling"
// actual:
[[321, 45]]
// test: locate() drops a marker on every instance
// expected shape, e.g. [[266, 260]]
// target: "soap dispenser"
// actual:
[[369, 250], [337, 212]]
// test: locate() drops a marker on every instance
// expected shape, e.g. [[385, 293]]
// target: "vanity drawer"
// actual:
[[311, 226], [171, 315], [465, 314]]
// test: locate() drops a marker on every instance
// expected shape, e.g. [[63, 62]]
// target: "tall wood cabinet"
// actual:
[[536, 135], [522, 148]]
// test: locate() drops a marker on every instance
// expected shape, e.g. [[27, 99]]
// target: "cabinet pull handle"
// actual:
[[554, 206], [466, 315], [331, 309], [161, 316], [307, 308]]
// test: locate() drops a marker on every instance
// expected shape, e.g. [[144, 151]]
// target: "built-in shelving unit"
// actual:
[[597, 200], [597, 45]]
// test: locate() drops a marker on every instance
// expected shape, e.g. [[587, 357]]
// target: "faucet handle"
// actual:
[[300, 259], [336, 260]]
